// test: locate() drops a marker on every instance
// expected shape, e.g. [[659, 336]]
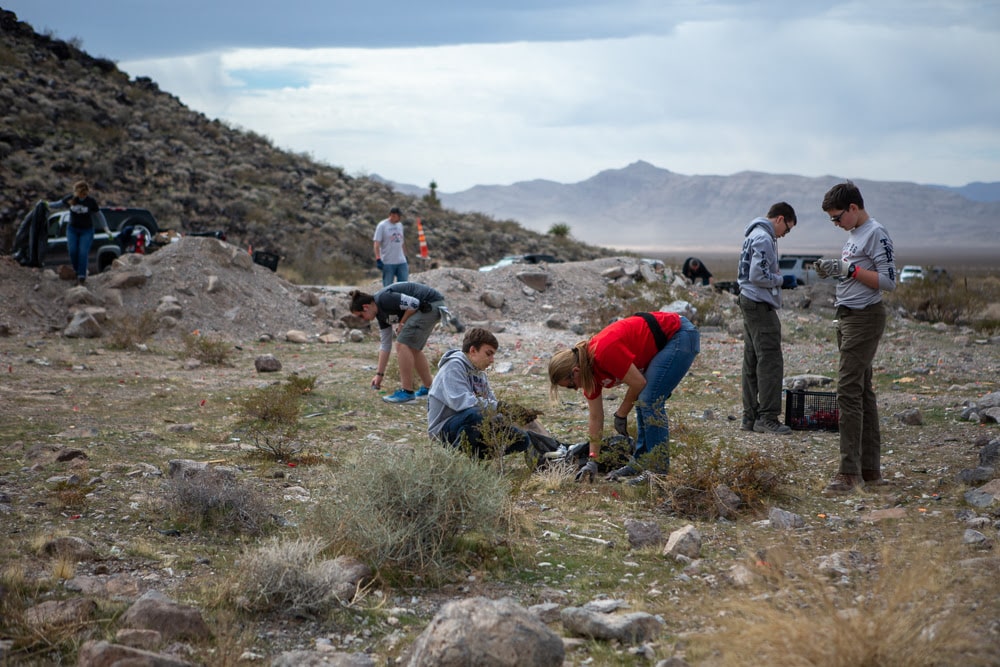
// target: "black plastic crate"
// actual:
[[811, 410], [268, 259]]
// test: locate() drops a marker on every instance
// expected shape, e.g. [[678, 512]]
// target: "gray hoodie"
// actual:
[[758, 273], [457, 386]]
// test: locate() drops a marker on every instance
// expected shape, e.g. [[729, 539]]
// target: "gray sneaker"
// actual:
[[771, 426]]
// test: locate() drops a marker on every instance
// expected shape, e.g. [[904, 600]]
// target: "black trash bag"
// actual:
[[32, 237]]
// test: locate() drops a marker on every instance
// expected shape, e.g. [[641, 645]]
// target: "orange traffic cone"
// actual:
[[423, 240]]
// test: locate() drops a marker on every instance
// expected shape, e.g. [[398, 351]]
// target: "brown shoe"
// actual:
[[874, 478], [843, 483]]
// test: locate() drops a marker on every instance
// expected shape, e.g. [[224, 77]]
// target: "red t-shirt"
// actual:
[[623, 343]]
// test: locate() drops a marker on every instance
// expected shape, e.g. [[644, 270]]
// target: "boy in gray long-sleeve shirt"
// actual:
[[760, 299], [866, 268]]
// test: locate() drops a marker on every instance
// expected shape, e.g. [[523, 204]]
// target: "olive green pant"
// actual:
[[763, 365], [858, 335]]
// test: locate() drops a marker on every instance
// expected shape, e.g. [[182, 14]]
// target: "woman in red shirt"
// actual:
[[649, 353]]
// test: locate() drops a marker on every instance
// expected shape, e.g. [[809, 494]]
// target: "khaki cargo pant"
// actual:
[[763, 364], [858, 335]]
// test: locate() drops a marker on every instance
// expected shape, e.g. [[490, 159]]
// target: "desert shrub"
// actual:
[[207, 349], [270, 419], [413, 509], [898, 611], [300, 384], [699, 469], [212, 500], [559, 230], [126, 332], [949, 301], [287, 576]]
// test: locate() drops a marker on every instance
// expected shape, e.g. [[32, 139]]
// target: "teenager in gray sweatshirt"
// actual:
[[461, 399]]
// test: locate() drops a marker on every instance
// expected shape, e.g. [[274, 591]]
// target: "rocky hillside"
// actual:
[[67, 115]]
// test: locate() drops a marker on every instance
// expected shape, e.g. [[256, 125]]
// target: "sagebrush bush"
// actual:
[[212, 500], [287, 576], [952, 301], [407, 508]]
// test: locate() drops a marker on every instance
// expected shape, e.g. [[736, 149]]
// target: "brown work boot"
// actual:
[[874, 478], [843, 483]]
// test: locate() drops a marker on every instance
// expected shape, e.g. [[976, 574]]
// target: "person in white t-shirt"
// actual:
[[389, 254]]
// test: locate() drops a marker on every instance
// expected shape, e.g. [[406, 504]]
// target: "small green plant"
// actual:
[[409, 508], [270, 419], [301, 384], [124, 333], [207, 349], [214, 500]]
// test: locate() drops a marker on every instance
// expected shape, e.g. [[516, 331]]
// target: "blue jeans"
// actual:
[[663, 374], [78, 242], [400, 272], [469, 422]]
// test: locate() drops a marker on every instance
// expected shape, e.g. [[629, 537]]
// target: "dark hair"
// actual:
[[783, 209], [395, 209], [477, 337], [359, 299], [841, 196]]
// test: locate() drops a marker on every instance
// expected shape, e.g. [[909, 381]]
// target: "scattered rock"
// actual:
[[267, 363]]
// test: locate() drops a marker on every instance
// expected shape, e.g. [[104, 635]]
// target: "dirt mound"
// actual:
[[221, 291]]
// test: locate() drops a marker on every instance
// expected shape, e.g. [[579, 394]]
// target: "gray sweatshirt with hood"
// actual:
[[758, 274], [457, 386]]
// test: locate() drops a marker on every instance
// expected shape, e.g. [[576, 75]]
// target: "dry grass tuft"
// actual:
[[910, 610], [125, 333]]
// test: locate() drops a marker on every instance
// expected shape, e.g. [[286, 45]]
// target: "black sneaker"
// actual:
[[771, 426], [746, 424]]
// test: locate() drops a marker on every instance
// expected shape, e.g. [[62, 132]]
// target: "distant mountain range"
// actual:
[[645, 206]]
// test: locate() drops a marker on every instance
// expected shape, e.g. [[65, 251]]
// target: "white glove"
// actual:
[[832, 268]]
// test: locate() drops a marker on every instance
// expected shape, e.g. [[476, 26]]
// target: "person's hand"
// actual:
[[832, 268], [377, 381], [621, 425], [379, 263], [587, 472]]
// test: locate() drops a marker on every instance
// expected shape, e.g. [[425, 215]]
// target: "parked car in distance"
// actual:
[[798, 270], [911, 273], [531, 258]]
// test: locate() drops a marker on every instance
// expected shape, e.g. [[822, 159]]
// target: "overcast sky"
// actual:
[[499, 91]]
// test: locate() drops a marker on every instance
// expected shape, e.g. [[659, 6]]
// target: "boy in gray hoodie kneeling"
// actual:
[[461, 400]]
